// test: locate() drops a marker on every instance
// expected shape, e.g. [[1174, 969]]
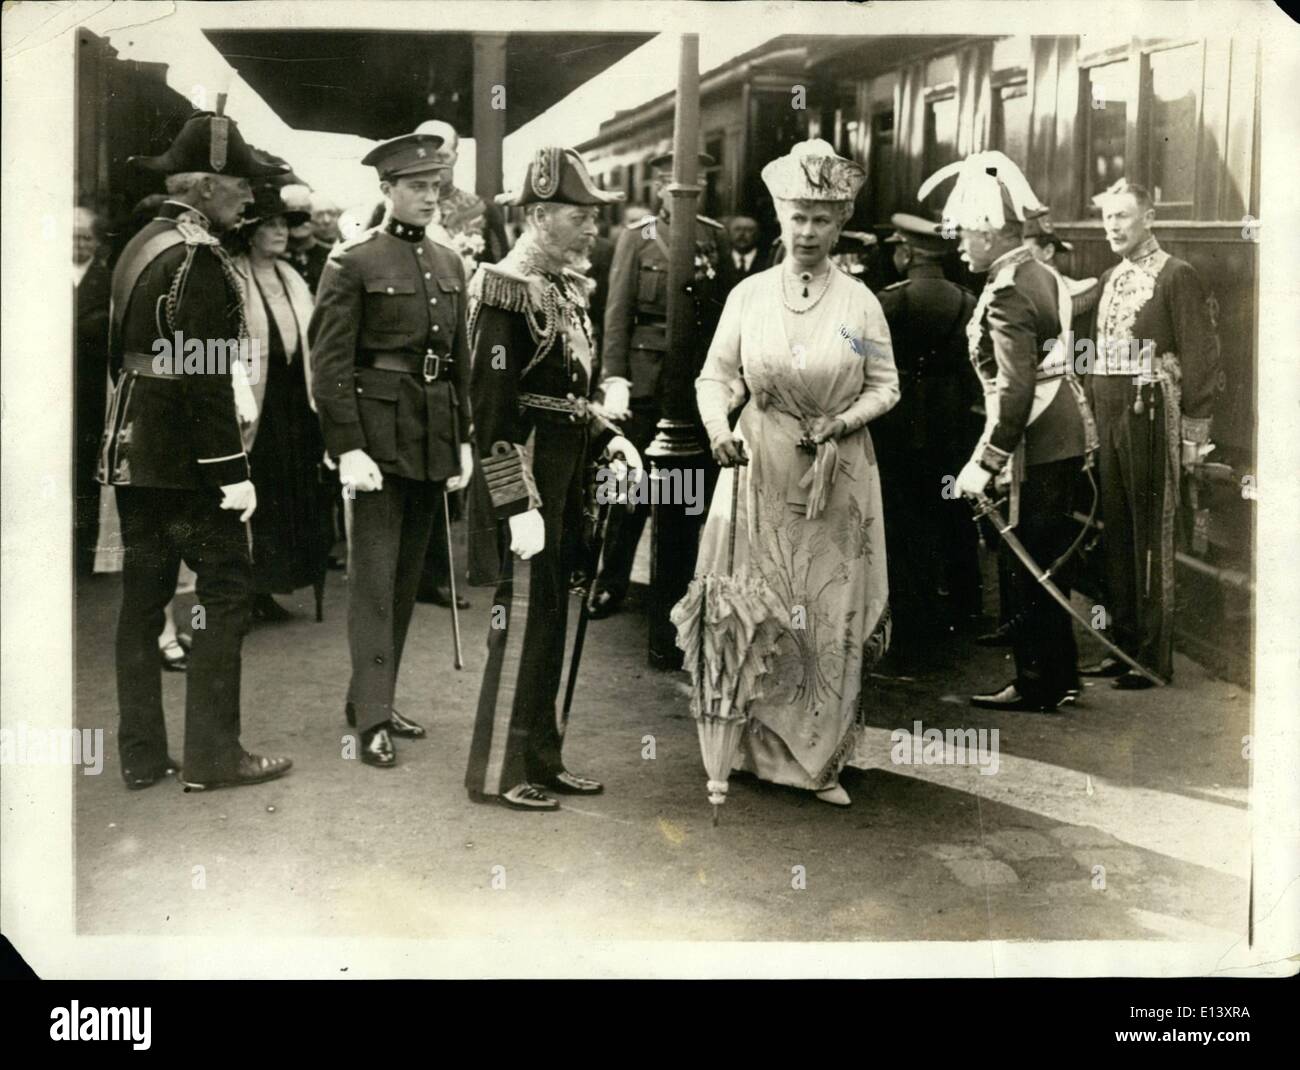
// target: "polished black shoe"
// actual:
[[1108, 666], [377, 748], [604, 604], [527, 797], [1132, 681], [252, 769], [397, 724], [1010, 698], [566, 783], [136, 781], [440, 595], [404, 727]]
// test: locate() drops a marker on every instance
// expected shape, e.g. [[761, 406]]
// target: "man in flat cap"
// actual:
[[1153, 384], [390, 375], [934, 582], [173, 452], [1038, 432], [533, 350], [635, 338]]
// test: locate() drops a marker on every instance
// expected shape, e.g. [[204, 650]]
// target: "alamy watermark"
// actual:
[[672, 486], [179, 355], [53, 746], [952, 746]]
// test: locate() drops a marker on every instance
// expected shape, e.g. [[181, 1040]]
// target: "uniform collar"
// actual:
[[405, 231], [1010, 258], [170, 209], [1146, 250]]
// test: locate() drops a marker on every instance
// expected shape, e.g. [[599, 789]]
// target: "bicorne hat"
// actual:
[[211, 143], [556, 175]]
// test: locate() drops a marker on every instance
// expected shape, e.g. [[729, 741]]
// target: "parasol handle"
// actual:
[[731, 535]]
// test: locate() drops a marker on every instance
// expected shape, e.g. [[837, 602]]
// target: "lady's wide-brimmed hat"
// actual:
[[212, 144], [812, 171], [268, 202]]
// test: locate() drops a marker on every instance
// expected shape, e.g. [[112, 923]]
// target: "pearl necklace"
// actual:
[[806, 277]]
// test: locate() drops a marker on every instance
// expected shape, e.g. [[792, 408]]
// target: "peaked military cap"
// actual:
[[557, 175], [409, 154], [1038, 224], [212, 144], [918, 232]]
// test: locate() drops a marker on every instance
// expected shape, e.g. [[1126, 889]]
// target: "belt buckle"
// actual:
[[437, 366]]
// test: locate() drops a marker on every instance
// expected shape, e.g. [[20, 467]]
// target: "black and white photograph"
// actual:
[[656, 490]]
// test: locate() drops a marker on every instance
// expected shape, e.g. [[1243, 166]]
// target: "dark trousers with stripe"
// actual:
[[160, 528], [516, 737], [1138, 540], [1043, 634], [390, 532]]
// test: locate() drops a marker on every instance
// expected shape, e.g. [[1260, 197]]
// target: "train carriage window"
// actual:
[[940, 140], [1172, 106], [1106, 121], [880, 169], [1010, 122]]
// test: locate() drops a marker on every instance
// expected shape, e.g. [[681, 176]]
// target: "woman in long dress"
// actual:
[[291, 528], [811, 345]]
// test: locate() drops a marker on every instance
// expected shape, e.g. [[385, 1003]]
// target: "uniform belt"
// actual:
[[143, 364], [432, 366], [575, 408]]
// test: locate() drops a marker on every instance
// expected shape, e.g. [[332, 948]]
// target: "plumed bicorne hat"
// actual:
[[812, 171], [990, 192], [556, 175], [211, 143]]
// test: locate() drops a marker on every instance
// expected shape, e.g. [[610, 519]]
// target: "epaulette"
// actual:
[[500, 287], [195, 233], [1004, 278], [1084, 294], [354, 241], [709, 222]]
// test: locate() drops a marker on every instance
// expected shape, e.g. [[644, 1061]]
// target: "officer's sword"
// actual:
[[985, 507], [451, 572]]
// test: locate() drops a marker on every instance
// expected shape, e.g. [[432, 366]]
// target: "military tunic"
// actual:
[[927, 436], [171, 440], [532, 347], [633, 345], [390, 375], [1036, 415], [1156, 339]]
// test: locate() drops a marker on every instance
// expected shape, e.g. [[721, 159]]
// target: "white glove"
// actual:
[[461, 481], [242, 496], [358, 471], [972, 479], [618, 444], [617, 404], [527, 534]]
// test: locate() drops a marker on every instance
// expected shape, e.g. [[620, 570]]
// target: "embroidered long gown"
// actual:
[[827, 565]]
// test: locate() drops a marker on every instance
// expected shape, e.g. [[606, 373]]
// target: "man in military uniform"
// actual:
[[635, 337], [533, 349], [173, 453], [390, 375], [1035, 431], [934, 581], [1152, 385]]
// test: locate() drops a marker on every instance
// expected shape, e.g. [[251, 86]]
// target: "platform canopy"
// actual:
[[380, 83]]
